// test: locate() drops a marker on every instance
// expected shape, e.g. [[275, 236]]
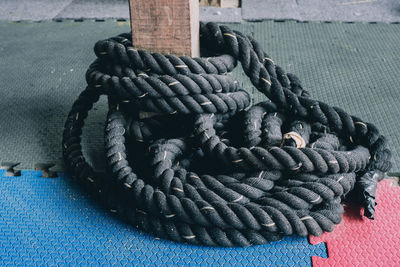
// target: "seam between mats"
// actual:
[[248, 21]]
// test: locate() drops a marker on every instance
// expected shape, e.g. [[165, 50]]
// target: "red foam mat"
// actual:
[[358, 241]]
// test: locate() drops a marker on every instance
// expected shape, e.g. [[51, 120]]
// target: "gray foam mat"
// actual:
[[317, 10], [42, 67]]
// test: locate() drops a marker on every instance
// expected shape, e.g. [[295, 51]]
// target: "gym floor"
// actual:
[[51, 221], [304, 10]]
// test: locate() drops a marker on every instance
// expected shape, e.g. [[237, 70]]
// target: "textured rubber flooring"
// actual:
[[42, 66], [305, 10], [51, 222], [358, 241], [317, 10]]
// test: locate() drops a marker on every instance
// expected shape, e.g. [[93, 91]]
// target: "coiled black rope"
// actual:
[[188, 162]]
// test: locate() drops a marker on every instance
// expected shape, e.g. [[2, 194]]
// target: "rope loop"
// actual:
[[191, 160]]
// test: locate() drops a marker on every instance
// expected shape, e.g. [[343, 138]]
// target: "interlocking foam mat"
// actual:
[[51, 221], [43, 220], [355, 66], [362, 242]]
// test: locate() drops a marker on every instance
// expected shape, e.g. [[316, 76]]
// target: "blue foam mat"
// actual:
[[51, 221]]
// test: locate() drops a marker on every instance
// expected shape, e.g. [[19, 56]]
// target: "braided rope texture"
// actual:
[[239, 196], [357, 72], [273, 191]]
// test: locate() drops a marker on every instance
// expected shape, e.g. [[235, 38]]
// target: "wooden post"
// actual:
[[220, 3], [216, 3], [166, 26]]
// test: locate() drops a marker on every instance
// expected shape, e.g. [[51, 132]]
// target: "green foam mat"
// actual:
[[42, 66]]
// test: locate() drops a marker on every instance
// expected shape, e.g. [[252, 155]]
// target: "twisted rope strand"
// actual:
[[178, 165]]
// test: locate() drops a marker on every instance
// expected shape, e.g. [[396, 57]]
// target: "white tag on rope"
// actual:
[[296, 137]]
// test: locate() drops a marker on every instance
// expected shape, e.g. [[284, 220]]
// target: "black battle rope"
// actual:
[[188, 161]]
